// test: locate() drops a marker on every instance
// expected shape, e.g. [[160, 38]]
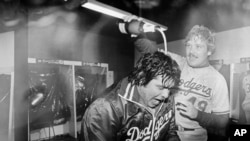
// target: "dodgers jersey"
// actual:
[[246, 89], [204, 87]]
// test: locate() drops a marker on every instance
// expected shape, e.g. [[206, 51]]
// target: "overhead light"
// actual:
[[105, 9], [114, 12]]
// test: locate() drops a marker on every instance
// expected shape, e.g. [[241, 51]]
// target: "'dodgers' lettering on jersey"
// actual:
[[136, 134], [195, 88]]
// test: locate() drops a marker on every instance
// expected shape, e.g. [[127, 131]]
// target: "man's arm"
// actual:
[[215, 124], [145, 45], [218, 121], [148, 42], [208, 120]]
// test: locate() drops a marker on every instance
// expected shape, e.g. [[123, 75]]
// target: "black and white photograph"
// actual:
[[124, 70]]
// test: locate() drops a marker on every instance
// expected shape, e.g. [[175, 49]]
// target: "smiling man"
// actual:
[[202, 102], [202, 99], [139, 107]]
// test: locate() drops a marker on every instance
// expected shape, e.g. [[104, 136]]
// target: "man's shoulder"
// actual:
[[108, 103], [215, 74]]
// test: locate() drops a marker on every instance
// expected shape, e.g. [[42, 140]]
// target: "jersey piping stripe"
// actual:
[[224, 112], [131, 93], [127, 89]]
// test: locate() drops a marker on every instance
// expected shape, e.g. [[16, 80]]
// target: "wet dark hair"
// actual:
[[150, 65]]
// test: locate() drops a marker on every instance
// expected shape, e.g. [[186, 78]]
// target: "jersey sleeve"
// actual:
[[99, 122], [220, 99]]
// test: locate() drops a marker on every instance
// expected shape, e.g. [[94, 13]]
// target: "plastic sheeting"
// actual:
[[51, 92], [49, 86], [90, 82]]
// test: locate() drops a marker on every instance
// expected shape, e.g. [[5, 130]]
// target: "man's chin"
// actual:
[[193, 65]]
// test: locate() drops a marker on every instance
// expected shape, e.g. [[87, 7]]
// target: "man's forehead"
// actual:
[[196, 39]]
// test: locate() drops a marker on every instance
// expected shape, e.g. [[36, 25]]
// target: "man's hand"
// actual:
[[132, 17], [128, 19], [187, 110]]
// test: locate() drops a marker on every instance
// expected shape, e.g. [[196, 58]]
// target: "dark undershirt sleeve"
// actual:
[[215, 124]]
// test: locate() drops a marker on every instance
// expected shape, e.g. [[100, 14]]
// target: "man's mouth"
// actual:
[[191, 56], [159, 100]]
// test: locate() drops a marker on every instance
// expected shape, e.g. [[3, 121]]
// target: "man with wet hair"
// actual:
[[202, 99], [139, 107]]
